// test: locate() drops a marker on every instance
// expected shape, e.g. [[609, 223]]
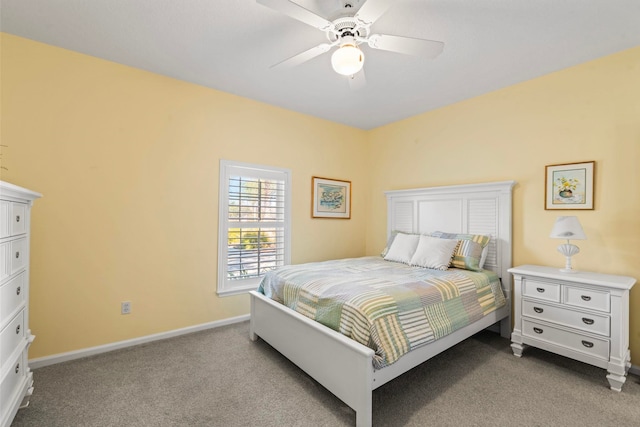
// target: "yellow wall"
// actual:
[[587, 112], [127, 162]]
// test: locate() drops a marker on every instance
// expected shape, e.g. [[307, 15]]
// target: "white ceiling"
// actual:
[[230, 44]]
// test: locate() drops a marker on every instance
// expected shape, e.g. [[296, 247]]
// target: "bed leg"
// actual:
[[252, 332], [505, 327], [363, 420], [364, 416]]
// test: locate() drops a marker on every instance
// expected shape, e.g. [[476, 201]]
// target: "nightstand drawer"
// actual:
[[581, 343], [587, 298], [595, 323], [542, 290]]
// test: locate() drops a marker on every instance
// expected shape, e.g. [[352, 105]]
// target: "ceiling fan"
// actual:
[[348, 31]]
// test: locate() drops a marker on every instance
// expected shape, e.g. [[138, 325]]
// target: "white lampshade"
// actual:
[[568, 228], [347, 60]]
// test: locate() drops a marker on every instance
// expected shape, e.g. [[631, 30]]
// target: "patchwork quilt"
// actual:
[[390, 307]]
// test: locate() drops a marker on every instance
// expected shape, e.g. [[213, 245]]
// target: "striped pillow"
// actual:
[[469, 251]]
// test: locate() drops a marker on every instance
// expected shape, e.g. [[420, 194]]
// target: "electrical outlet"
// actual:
[[125, 307]]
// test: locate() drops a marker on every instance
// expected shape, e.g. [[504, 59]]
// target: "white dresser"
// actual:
[[16, 380], [584, 316]]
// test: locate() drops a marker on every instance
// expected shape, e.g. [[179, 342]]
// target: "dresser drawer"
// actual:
[[4, 260], [541, 290], [594, 323], [18, 218], [11, 297], [13, 219], [18, 254], [587, 298], [581, 343], [11, 336], [12, 383], [4, 218]]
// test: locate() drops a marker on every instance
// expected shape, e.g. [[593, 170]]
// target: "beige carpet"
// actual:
[[220, 378]]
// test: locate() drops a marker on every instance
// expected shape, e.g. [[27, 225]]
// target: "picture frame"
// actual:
[[331, 198], [569, 186]]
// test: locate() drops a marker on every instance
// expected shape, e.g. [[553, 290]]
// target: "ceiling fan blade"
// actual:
[[371, 10], [358, 80], [298, 12], [303, 56], [406, 45]]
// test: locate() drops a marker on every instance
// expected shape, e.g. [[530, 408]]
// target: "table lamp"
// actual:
[[568, 228]]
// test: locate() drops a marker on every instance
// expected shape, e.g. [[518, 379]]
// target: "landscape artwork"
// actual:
[[331, 198]]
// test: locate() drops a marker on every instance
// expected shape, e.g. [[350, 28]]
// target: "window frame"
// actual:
[[228, 168]]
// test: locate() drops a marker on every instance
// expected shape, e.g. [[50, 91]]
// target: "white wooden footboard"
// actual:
[[341, 365]]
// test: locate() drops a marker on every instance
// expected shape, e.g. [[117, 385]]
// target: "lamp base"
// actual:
[[568, 250]]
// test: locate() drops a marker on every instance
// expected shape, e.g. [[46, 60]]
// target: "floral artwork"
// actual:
[[331, 198], [569, 186], [566, 190]]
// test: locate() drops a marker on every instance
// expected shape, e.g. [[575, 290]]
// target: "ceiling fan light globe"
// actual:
[[347, 60]]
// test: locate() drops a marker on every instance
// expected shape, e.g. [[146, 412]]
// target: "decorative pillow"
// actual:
[[402, 248], [469, 251], [435, 253]]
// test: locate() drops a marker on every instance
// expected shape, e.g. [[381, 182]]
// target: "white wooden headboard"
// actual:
[[474, 209]]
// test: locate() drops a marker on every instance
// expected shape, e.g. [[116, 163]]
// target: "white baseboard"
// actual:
[[634, 370], [40, 362]]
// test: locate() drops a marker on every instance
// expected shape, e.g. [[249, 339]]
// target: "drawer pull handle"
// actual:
[[541, 290], [17, 368], [539, 331], [17, 254], [17, 218], [587, 344], [538, 309], [17, 329], [18, 289], [587, 321], [585, 297]]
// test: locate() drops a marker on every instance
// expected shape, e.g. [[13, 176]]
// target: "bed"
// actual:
[[352, 370]]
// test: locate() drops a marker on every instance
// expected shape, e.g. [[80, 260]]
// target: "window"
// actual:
[[254, 224]]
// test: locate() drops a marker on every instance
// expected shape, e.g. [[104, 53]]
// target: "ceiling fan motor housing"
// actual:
[[348, 27]]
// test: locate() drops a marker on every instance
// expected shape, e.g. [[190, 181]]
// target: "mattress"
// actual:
[[390, 307]]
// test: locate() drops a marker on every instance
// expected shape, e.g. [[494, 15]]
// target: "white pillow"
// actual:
[[402, 248], [433, 252]]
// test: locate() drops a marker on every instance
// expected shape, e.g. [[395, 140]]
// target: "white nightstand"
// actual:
[[584, 316]]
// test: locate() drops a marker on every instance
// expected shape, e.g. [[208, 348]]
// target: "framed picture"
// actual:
[[569, 186], [331, 198]]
